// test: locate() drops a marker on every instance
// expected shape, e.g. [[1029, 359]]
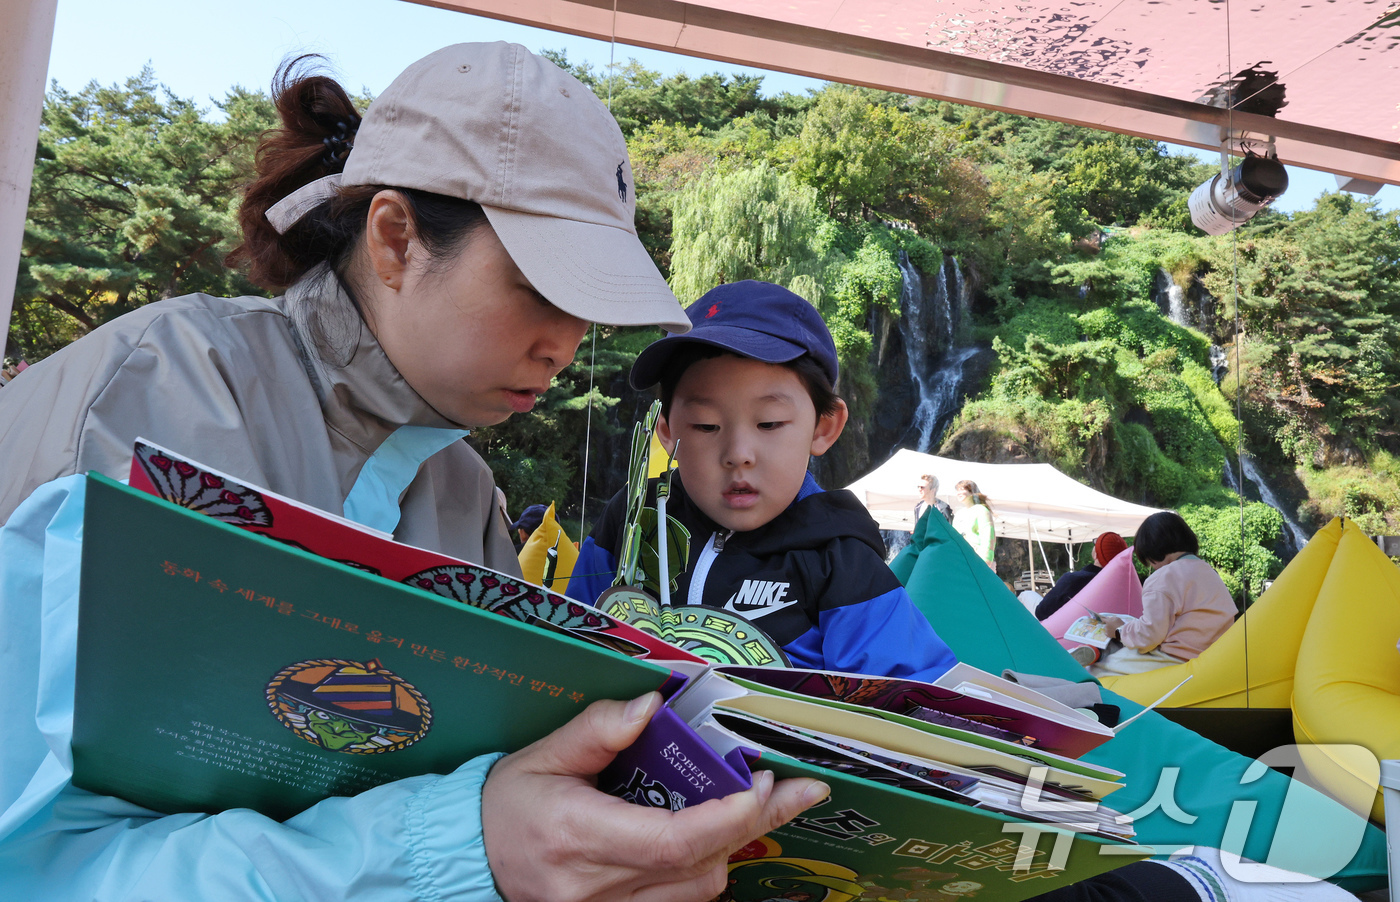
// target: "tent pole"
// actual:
[[1030, 556], [1030, 531], [1043, 558]]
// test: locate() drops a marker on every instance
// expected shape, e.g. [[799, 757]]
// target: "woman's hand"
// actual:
[[551, 836]]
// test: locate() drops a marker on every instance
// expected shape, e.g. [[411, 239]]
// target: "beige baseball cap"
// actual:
[[495, 124]]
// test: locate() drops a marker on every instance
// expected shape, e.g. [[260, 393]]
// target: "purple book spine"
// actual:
[[670, 766]]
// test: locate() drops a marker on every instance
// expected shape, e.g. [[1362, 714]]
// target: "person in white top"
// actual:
[[1185, 604], [973, 521]]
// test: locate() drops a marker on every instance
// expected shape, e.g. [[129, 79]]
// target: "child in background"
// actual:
[[1185, 604], [749, 395]]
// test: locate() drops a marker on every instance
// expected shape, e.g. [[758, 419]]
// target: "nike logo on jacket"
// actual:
[[758, 597]]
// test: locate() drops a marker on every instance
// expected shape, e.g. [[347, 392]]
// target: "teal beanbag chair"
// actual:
[[1184, 789]]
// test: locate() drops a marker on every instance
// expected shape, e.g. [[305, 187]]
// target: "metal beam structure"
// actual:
[[908, 64]]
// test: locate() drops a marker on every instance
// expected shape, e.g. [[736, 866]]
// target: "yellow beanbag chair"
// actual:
[[1226, 675], [1346, 689], [535, 555]]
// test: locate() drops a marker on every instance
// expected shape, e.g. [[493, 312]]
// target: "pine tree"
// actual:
[[133, 200]]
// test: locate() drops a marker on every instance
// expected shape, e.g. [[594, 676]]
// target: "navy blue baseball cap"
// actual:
[[758, 320], [530, 518]]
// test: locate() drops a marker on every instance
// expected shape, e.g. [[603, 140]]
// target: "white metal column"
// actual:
[[25, 42]]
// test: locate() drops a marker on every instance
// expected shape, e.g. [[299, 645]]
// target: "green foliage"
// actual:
[[1182, 428], [639, 97], [1239, 553], [863, 274], [1069, 433], [1128, 265], [868, 277], [754, 223], [866, 157], [1319, 298], [1048, 319], [1368, 494], [1137, 326], [1081, 370], [133, 200], [1143, 461], [1019, 238], [1213, 404], [1115, 179]]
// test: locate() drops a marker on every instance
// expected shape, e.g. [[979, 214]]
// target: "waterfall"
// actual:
[[1231, 480], [945, 306], [1176, 304], [1295, 537], [937, 406], [1176, 310], [911, 323], [956, 294], [939, 381], [1219, 363]]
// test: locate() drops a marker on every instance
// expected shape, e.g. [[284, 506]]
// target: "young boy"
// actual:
[[748, 394]]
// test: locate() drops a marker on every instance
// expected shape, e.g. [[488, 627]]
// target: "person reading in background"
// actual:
[[1106, 547], [1185, 604], [441, 261], [747, 399], [973, 521]]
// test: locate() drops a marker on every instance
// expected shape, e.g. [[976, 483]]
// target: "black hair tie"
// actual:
[[339, 144]]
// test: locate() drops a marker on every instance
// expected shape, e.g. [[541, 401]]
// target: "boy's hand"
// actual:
[[551, 836]]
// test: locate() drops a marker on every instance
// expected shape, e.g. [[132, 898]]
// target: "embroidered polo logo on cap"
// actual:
[[714, 309], [621, 185]]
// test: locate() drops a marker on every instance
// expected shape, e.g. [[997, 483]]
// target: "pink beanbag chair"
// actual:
[[1115, 590]]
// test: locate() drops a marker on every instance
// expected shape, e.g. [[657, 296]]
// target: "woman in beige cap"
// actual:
[[440, 262]]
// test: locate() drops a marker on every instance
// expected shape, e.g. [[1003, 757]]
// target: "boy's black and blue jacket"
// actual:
[[814, 578]]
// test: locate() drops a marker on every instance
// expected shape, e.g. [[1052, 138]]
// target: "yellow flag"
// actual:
[[536, 552]]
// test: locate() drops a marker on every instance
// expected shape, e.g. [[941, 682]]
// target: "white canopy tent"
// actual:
[[1028, 501]]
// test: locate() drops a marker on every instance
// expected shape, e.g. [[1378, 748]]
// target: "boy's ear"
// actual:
[[829, 428], [663, 434]]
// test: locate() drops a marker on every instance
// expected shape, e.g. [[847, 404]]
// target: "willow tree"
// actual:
[[751, 224]]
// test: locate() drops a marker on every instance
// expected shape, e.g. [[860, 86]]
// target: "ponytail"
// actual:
[[319, 123]]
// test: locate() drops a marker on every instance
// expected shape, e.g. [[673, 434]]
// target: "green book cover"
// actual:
[[218, 669], [869, 842]]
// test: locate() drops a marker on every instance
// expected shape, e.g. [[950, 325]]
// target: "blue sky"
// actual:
[[201, 48]]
